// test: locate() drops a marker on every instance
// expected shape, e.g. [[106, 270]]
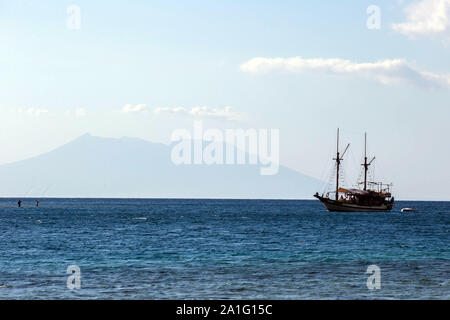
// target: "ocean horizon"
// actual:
[[220, 249], [32, 198]]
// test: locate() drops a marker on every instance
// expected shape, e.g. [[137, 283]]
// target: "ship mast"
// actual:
[[366, 164], [338, 160]]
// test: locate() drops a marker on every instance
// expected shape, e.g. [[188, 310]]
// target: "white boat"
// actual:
[[408, 210]]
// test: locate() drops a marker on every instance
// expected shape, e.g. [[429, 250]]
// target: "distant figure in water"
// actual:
[[37, 203], [19, 203]]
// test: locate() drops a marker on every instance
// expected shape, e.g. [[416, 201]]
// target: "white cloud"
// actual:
[[202, 112], [32, 112], [130, 108], [386, 71], [426, 17]]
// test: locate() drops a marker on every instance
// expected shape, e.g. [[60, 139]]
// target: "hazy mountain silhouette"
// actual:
[[127, 167]]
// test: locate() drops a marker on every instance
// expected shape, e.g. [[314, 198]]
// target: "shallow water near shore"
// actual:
[[221, 249]]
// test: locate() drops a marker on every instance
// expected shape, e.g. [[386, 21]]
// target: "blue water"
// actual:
[[221, 249]]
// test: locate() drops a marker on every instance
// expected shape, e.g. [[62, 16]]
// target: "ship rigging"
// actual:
[[373, 196]]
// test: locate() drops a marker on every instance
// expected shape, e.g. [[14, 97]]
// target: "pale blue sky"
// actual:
[[187, 54]]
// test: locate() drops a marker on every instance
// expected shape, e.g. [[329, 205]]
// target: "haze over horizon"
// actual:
[[146, 69], [98, 167], [138, 168]]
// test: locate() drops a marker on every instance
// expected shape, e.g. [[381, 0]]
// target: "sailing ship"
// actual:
[[373, 196]]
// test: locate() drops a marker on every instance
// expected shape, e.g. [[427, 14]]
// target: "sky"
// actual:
[[146, 68]]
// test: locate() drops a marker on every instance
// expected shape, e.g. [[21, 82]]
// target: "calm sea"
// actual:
[[221, 249]]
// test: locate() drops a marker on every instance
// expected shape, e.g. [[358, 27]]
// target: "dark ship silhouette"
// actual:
[[374, 196]]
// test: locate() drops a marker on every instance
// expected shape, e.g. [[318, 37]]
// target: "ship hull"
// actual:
[[338, 206]]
